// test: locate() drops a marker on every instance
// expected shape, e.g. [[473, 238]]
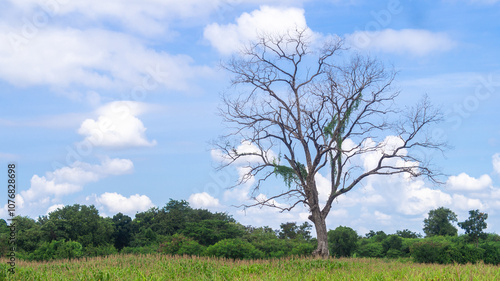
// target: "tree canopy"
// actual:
[[439, 222]]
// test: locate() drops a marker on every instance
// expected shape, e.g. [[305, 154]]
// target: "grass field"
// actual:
[[161, 267]]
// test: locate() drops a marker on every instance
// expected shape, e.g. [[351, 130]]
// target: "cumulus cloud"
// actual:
[[116, 203], [406, 41], [463, 203], [117, 126], [71, 179], [464, 182], [54, 208], [203, 200], [267, 20]]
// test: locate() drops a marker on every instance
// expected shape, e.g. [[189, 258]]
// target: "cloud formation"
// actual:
[[232, 37], [117, 126], [416, 42], [464, 182], [116, 203], [71, 179], [203, 200]]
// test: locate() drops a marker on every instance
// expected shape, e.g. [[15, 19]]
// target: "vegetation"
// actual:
[[178, 229], [165, 267]]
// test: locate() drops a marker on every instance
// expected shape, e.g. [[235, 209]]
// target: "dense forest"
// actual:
[[79, 231]]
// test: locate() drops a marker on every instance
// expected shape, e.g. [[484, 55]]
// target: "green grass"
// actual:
[[162, 267]]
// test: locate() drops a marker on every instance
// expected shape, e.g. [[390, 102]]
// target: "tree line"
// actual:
[[177, 229]]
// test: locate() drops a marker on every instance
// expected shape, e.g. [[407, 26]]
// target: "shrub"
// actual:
[[392, 242], [57, 250], [429, 251], [234, 249], [302, 249], [371, 250], [491, 253], [104, 250], [178, 244], [465, 253]]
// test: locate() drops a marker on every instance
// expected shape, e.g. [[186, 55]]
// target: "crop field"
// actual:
[[162, 267]]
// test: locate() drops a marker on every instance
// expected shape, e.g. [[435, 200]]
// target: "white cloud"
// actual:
[[68, 180], [203, 200], [116, 203], [96, 59], [496, 162], [116, 126], [465, 182], [406, 41], [54, 208], [463, 203], [267, 20]]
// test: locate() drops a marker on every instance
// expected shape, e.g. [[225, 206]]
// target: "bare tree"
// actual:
[[306, 102]]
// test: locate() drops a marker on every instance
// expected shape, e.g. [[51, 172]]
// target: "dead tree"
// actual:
[[307, 101]]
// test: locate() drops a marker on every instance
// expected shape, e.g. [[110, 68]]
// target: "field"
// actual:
[[161, 267]]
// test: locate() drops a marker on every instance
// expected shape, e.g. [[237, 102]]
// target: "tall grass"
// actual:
[[163, 267]]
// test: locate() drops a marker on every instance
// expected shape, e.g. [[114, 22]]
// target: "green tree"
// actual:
[[79, 223], [406, 233], [474, 225], [439, 222], [122, 233], [343, 241], [291, 230]]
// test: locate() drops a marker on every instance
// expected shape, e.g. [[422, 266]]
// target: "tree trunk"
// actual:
[[322, 236]]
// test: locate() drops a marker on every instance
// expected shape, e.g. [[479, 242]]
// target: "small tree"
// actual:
[[439, 222], [474, 225], [343, 241], [320, 110]]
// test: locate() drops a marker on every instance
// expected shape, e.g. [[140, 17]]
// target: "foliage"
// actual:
[[406, 233], [78, 223], [57, 250], [209, 232], [392, 242], [178, 244], [234, 249], [439, 222], [491, 253], [122, 233], [343, 241], [474, 225], [291, 230], [371, 250]]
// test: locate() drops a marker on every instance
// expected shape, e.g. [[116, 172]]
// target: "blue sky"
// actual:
[[113, 103]]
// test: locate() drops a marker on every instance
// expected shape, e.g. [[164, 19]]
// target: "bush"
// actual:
[[302, 249], [104, 250], [392, 242], [56, 250], [178, 244], [465, 253], [274, 247], [491, 253], [234, 249], [371, 250], [429, 251]]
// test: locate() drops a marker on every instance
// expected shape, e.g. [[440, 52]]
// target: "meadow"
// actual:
[[165, 267]]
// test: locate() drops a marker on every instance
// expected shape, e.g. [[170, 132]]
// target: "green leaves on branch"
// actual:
[[289, 174]]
